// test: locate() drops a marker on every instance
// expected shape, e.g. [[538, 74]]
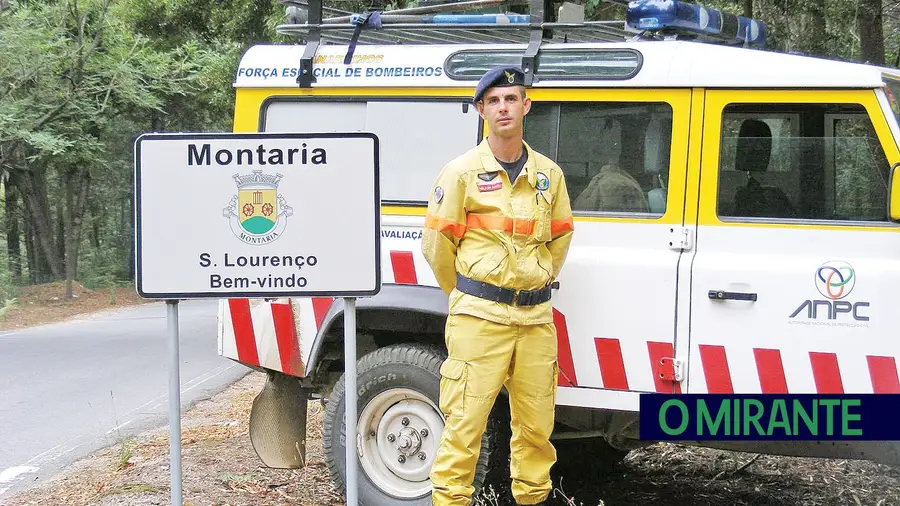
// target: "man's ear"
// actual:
[[480, 106], [527, 103]]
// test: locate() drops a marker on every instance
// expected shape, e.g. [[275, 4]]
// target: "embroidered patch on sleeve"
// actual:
[[438, 195]]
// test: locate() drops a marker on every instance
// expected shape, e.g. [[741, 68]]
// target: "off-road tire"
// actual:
[[412, 366]]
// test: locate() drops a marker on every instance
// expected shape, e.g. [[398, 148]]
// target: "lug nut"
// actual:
[[401, 459], [391, 438], [422, 456], [424, 432], [405, 421]]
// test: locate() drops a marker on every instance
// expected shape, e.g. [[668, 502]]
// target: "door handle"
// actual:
[[723, 295]]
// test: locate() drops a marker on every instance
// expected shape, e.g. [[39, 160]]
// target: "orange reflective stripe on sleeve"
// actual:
[[502, 223], [561, 225], [443, 224]]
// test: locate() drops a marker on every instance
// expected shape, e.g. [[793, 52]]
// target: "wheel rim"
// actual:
[[398, 435]]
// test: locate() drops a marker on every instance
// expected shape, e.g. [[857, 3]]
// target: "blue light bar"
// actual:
[[481, 18], [494, 19], [674, 16]]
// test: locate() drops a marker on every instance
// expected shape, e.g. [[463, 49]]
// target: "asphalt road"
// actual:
[[69, 389]]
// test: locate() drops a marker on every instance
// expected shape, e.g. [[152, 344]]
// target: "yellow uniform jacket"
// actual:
[[509, 234]]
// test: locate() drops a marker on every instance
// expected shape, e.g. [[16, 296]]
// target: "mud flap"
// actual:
[[278, 423]]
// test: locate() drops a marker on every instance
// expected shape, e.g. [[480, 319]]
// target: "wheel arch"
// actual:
[[397, 314]]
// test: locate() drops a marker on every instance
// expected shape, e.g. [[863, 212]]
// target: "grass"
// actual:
[[126, 451]]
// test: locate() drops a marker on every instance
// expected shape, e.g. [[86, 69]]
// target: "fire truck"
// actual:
[[736, 224]]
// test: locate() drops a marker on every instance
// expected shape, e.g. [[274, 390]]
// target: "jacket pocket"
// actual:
[[543, 216], [486, 266], [454, 376], [554, 381]]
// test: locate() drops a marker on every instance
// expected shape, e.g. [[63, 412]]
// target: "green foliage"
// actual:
[[81, 80]]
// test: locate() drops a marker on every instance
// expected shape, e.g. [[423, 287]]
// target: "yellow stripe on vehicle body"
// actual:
[[715, 103], [249, 101]]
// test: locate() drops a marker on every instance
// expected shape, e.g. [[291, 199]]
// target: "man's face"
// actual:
[[504, 110]]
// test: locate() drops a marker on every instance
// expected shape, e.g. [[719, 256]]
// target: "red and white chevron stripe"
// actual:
[[279, 335], [827, 372]]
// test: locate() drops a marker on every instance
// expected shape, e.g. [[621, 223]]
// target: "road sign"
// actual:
[[257, 215]]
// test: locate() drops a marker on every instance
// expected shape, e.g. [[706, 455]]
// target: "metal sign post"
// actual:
[[174, 401], [350, 398], [253, 216]]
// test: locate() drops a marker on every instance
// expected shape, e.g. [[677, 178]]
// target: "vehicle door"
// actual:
[[624, 155], [796, 259]]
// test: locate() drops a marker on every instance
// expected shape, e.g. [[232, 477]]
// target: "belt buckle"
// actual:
[[526, 297]]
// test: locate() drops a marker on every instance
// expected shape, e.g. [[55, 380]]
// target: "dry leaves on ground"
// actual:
[[220, 468]]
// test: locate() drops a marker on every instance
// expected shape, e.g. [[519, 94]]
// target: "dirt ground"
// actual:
[[47, 303], [221, 469]]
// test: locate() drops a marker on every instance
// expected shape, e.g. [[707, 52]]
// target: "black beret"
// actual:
[[499, 76]]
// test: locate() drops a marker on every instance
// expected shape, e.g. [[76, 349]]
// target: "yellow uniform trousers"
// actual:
[[483, 357]]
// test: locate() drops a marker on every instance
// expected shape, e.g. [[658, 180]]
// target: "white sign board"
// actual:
[[257, 215]]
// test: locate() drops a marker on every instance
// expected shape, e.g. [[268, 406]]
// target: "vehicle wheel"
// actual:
[[399, 427]]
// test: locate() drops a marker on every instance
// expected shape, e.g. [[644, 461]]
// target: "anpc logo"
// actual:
[[257, 214], [835, 281]]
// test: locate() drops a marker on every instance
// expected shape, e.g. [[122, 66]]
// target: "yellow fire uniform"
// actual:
[[512, 235]]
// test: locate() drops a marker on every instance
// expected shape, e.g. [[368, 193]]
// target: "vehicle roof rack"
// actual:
[[452, 22], [433, 25]]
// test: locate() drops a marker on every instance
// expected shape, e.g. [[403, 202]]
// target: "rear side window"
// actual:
[[893, 90], [416, 138], [799, 161], [615, 155]]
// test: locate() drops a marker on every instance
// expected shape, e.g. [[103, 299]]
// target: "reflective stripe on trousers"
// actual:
[[483, 357]]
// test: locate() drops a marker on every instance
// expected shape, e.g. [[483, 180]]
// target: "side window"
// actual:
[[615, 155], [806, 162]]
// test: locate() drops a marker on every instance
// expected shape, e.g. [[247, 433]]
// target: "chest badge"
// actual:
[[542, 181], [489, 187], [487, 176]]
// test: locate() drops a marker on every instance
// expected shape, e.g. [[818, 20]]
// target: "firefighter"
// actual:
[[497, 232]]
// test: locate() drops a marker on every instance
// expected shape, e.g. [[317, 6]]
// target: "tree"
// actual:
[[871, 32]]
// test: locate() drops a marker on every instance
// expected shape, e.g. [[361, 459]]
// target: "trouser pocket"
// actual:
[[454, 375]]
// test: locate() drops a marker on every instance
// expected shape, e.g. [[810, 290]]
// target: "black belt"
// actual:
[[500, 294]]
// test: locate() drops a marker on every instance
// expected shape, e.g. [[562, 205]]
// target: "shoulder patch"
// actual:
[[438, 195], [542, 181]]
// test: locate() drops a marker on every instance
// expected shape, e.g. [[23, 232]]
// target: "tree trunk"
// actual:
[[132, 275], [30, 252], [95, 226], [76, 200], [871, 32], [818, 34], [34, 194], [13, 239], [748, 8], [61, 227]]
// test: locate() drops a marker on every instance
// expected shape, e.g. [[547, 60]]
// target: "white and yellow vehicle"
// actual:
[[736, 230]]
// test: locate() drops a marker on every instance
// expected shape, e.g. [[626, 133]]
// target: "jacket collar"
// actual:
[[489, 161]]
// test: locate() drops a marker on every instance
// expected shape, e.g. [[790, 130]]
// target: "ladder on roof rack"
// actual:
[[430, 25]]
